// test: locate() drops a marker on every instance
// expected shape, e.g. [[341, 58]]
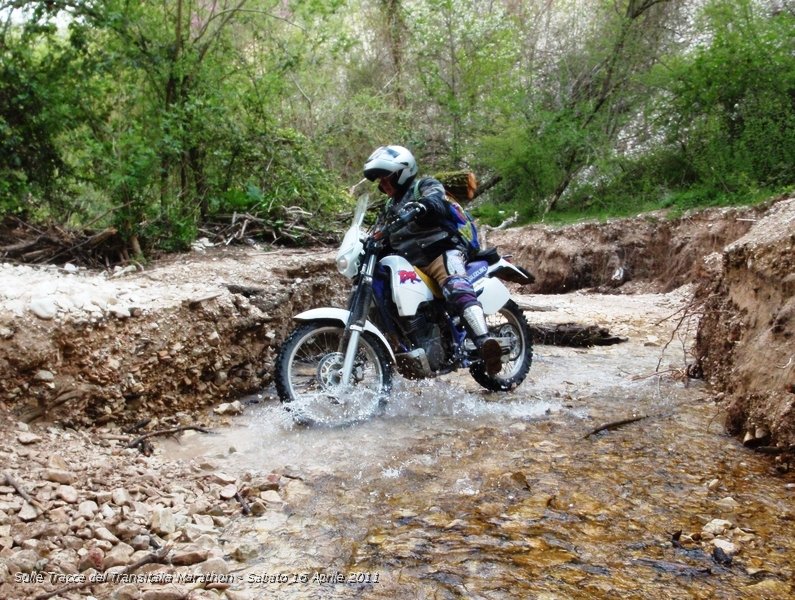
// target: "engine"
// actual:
[[424, 332]]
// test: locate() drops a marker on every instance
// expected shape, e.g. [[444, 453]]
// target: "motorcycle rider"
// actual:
[[427, 244]]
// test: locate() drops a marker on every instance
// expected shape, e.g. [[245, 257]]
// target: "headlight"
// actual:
[[342, 264]]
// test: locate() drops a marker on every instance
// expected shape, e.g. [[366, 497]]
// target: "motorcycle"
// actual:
[[336, 366]]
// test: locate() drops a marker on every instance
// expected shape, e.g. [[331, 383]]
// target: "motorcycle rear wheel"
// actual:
[[308, 382], [509, 322]]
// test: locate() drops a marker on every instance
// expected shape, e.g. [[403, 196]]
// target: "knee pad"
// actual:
[[459, 293]]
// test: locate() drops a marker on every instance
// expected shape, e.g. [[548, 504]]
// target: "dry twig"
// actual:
[[10, 480], [614, 425], [138, 441]]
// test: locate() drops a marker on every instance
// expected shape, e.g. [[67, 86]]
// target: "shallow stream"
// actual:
[[456, 493]]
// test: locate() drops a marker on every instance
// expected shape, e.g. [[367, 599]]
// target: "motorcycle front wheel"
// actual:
[[510, 326], [308, 370]]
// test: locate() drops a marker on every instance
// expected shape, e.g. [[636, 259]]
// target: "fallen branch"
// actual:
[[673, 567], [9, 480], [137, 425], [614, 425], [655, 374], [245, 507], [140, 440], [159, 557], [573, 334]]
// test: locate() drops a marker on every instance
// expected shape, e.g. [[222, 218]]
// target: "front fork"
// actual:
[[359, 309]]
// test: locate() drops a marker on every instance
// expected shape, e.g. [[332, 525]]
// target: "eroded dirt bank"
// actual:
[[84, 349], [746, 342], [648, 249]]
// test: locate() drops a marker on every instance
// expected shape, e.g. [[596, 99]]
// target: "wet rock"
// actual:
[[728, 503], [716, 527], [729, 548], [229, 408]]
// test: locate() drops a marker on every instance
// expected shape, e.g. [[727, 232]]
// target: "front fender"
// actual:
[[328, 313]]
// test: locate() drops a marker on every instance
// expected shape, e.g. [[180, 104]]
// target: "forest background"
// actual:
[[156, 117]]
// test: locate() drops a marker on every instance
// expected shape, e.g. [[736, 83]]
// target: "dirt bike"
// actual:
[[336, 365]]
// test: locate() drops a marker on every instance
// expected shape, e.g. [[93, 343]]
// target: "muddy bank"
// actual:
[[746, 342], [649, 250], [87, 348]]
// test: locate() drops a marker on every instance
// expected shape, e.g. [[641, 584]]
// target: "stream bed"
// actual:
[[458, 493]]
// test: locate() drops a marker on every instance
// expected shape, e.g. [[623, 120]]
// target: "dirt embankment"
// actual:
[[743, 262], [203, 328], [195, 330], [746, 341], [651, 249]]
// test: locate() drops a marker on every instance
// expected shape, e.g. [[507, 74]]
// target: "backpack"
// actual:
[[458, 221]]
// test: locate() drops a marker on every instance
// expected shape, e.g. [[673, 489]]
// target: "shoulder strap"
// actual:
[[416, 189]]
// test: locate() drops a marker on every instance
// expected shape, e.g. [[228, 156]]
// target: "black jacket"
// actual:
[[424, 239]]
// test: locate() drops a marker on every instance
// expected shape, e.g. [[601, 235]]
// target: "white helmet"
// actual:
[[388, 160]]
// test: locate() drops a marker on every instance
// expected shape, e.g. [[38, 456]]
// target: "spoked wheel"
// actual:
[[308, 373], [508, 325]]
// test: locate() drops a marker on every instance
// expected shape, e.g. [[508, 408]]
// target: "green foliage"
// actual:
[[31, 119], [731, 103], [156, 117], [532, 157]]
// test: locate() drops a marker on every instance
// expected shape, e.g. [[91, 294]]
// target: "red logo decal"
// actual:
[[410, 276]]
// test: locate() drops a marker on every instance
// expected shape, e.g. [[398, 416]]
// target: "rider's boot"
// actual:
[[489, 348]]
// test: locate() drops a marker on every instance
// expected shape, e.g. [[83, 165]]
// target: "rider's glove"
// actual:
[[410, 211]]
